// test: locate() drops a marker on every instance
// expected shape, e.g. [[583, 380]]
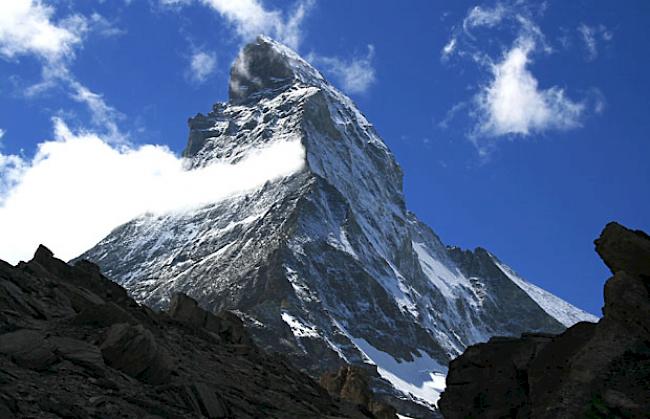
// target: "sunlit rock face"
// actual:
[[325, 265]]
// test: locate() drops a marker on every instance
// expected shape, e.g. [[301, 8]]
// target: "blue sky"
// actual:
[[522, 127]]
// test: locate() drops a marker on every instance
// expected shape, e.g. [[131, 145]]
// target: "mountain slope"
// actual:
[[326, 265]]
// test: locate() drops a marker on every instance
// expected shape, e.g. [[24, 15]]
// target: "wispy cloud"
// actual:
[[355, 75], [102, 114], [449, 48], [102, 26], [250, 18], [28, 28], [484, 16], [512, 103], [591, 35], [202, 65], [2, 133], [79, 186]]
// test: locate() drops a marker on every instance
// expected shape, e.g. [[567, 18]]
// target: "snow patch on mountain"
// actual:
[[300, 329], [566, 313], [423, 378], [441, 275]]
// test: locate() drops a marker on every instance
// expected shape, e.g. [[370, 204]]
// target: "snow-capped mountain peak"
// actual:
[[264, 66], [325, 264]]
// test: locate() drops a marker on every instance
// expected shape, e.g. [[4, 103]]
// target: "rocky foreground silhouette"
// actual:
[[73, 344], [593, 370]]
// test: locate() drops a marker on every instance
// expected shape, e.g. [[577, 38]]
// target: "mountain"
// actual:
[[325, 265], [592, 370], [73, 344]]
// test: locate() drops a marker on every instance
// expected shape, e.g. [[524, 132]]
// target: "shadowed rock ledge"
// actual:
[[73, 344], [593, 370]]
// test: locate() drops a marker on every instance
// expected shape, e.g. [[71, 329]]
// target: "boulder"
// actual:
[[28, 348], [134, 351], [81, 298], [227, 325], [103, 315], [351, 383], [231, 328], [624, 250], [187, 310], [78, 352], [209, 402]]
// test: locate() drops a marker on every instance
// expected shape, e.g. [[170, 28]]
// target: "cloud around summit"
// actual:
[[79, 186], [354, 75], [250, 18]]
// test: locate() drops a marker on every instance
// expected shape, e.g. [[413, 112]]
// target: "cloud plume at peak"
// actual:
[[202, 65], [78, 187], [250, 18], [355, 75]]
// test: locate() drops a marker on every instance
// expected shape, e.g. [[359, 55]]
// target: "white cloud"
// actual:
[[250, 18], [449, 48], [2, 133], [591, 35], [79, 187], [26, 28], [484, 16], [355, 75], [465, 41], [513, 103], [202, 66]]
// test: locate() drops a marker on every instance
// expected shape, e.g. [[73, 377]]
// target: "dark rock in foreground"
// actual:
[[352, 383], [74, 345], [594, 370]]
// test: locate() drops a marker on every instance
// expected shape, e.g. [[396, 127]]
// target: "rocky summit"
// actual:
[[325, 265], [591, 370], [73, 344]]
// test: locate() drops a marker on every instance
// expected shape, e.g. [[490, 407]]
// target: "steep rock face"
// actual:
[[326, 265], [57, 360], [590, 370]]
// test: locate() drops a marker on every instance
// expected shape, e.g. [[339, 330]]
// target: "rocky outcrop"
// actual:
[[225, 325], [595, 370], [134, 351], [74, 345], [352, 383]]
